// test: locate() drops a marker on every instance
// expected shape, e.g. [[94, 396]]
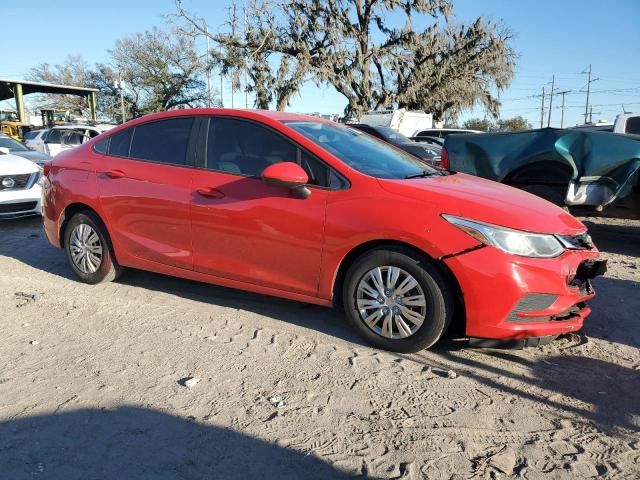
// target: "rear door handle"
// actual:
[[210, 192], [115, 173]]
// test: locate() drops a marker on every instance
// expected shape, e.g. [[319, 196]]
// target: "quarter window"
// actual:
[[102, 146], [120, 143], [319, 173], [163, 141]]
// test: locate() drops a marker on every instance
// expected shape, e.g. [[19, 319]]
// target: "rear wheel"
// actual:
[[397, 300], [89, 249]]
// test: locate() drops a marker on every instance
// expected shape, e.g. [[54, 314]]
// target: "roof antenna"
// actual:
[[624, 110]]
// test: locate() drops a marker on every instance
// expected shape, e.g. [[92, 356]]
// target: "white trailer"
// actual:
[[402, 120]]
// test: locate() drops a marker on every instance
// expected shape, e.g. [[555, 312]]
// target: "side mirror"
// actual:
[[288, 175], [4, 151]]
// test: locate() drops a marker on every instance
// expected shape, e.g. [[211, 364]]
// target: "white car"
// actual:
[[35, 139], [20, 186], [65, 137]]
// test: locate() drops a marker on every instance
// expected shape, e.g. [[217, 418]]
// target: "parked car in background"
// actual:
[[16, 148], [625, 124], [20, 186], [35, 139], [443, 133], [311, 210], [435, 141], [427, 153], [591, 172], [65, 137]]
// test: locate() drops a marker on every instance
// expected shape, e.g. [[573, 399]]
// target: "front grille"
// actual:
[[19, 182], [531, 302], [17, 207]]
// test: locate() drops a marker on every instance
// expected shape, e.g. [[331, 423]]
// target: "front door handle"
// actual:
[[115, 173], [210, 192]]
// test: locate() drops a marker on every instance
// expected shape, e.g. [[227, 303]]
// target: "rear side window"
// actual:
[[633, 126], [120, 142], [72, 137], [237, 146], [54, 136], [163, 141]]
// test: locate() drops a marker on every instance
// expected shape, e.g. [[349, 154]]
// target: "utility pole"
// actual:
[[206, 31], [563, 93], [542, 110], [589, 82], [221, 83], [120, 85], [246, 93], [553, 81]]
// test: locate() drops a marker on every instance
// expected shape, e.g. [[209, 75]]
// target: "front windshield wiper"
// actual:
[[424, 173]]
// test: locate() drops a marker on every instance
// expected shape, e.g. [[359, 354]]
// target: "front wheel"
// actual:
[[89, 250], [397, 300]]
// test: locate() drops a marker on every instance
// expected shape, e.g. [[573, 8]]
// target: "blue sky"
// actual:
[[561, 37]]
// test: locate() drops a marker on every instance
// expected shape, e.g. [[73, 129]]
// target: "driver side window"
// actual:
[[240, 147]]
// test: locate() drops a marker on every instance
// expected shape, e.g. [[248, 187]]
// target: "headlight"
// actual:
[[515, 242], [40, 177]]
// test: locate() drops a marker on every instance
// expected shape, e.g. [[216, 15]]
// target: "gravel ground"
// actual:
[[92, 384]]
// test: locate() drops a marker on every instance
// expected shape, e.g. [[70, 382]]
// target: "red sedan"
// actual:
[[310, 210]]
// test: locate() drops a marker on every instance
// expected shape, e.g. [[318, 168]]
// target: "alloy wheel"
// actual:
[[85, 248], [391, 302]]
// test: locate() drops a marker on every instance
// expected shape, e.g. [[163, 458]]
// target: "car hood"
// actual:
[[486, 201], [15, 165], [37, 157]]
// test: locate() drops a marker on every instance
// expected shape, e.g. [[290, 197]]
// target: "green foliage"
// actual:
[[514, 124], [482, 124]]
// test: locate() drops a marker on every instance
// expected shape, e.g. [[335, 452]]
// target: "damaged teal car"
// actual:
[[590, 172]]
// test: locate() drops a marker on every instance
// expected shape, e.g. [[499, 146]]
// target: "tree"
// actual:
[[161, 70], [482, 124], [354, 46], [514, 124], [275, 75], [73, 71]]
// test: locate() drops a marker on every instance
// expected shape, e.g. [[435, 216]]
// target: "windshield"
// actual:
[[361, 151], [12, 145]]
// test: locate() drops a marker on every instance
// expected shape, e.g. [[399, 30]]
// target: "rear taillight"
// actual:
[[444, 158]]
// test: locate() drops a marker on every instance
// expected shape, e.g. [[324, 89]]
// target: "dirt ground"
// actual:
[[92, 384]]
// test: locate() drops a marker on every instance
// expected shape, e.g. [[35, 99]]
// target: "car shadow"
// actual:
[[615, 308], [603, 392], [620, 239], [137, 443], [26, 242]]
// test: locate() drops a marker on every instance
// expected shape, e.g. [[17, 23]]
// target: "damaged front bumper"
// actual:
[[514, 298]]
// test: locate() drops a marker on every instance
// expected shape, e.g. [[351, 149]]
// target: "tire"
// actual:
[[552, 193], [360, 304], [85, 233]]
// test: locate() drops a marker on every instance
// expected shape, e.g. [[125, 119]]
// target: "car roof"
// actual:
[[267, 116], [73, 126], [234, 112]]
